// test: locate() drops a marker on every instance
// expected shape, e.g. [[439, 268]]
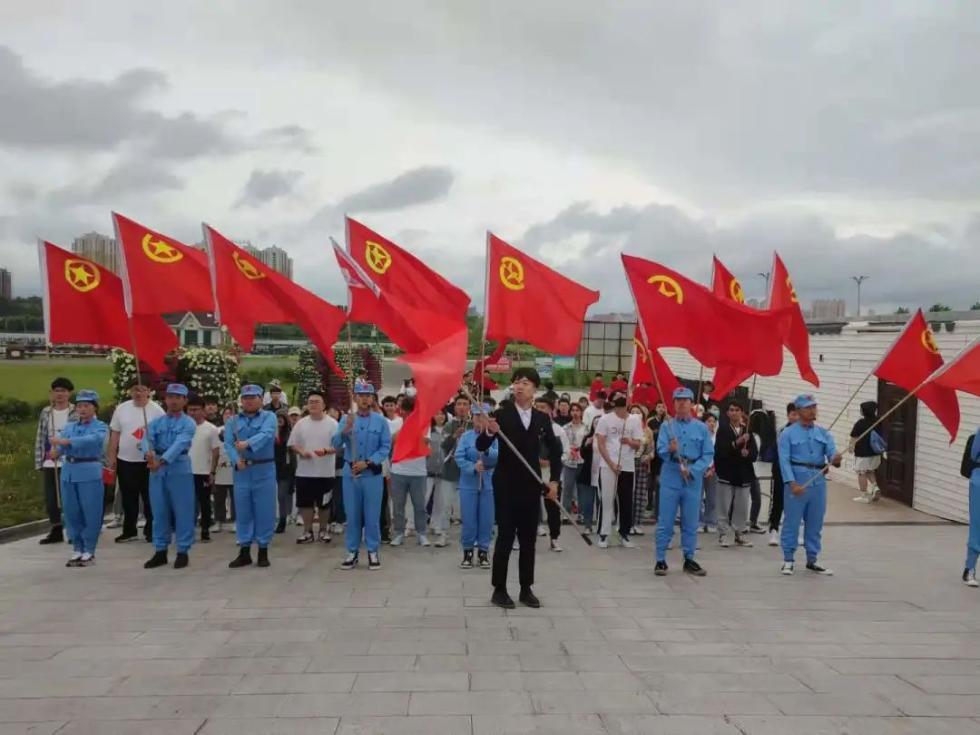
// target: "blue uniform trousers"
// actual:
[[174, 504], [476, 507], [809, 508], [687, 497], [256, 494], [973, 541], [362, 503], [82, 503]]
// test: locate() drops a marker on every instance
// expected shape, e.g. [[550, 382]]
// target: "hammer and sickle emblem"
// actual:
[[82, 276], [668, 287], [929, 341], [792, 291], [378, 259], [160, 251], [736, 292], [511, 273], [641, 351], [247, 268]]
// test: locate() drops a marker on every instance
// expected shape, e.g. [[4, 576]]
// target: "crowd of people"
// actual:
[[609, 463]]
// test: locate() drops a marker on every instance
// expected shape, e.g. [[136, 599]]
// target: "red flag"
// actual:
[[83, 304], [782, 295], [527, 300], [402, 275], [911, 360], [674, 311], [479, 369], [726, 286], [248, 293], [962, 372], [160, 274], [650, 367]]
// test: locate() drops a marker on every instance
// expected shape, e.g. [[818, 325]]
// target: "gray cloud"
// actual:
[[264, 186], [416, 186]]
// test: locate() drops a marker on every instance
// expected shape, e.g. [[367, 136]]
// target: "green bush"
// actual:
[[21, 499], [14, 410]]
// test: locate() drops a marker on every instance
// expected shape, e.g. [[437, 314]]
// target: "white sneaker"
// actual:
[[440, 541], [216, 527], [801, 541], [336, 528], [86, 560], [774, 538], [76, 556], [398, 540], [515, 547], [711, 529], [603, 542], [636, 531], [862, 499], [970, 578], [876, 495], [555, 546], [423, 540], [542, 530], [788, 568], [626, 543], [114, 523], [297, 520], [140, 523], [724, 543]]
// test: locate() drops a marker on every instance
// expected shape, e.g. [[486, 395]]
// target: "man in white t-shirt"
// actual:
[[127, 455], [53, 419], [618, 436], [316, 468], [407, 480], [595, 409], [205, 449]]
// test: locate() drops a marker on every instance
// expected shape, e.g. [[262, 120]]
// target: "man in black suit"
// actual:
[[516, 491]]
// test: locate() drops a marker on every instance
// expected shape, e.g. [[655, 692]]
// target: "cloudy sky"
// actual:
[[845, 134]]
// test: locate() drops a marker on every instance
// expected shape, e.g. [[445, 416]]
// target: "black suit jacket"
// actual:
[[535, 443], [730, 465]]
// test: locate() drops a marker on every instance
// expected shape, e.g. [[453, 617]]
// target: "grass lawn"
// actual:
[[21, 498]]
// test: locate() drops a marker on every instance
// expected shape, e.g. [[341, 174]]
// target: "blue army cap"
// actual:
[[177, 389], [364, 389], [251, 389], [86, 396], [480, 409], [805, 400], [681, 393]]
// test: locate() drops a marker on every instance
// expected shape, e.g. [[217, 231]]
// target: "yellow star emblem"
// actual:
[[160, 250], [82, 275]]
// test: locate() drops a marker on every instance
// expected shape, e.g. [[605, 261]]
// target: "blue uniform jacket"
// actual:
[[697, 450], [373, 441], [466, 457], [87, 444], [170, 440], [798, 443], [259, 430]]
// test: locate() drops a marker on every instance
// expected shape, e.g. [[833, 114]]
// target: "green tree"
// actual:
[[901, 310], [975, 307], [940, 307]]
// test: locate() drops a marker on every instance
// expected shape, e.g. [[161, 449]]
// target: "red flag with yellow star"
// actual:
[[527, 300], [782, 295], [248, 293], [962, 372], [650, 370], [726, 286], [83, 304], [912, 359], [159, 274]]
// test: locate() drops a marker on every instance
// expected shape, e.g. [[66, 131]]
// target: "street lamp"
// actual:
[[859, 280], [765, 276]]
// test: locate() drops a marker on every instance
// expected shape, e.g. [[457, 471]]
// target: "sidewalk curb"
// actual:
[[23, 530]]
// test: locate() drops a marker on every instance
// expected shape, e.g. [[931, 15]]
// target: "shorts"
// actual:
[[313, 492], [867, 464]]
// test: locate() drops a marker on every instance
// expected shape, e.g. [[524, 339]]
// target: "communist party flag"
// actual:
[[782, 295], [248, 293], [160, 274], [650, 368], [962, 372], [83, 304], [912, 359], [402, 275], [527, 300], [725, 285], [674, 311]]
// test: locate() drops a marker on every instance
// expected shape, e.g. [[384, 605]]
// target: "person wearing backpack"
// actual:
[[971, 469], [867, 453]]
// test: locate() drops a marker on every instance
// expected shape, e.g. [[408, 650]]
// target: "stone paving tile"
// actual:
[[412, 682], [538, 725], [270, 726], [418, 725], [592, 701], [338, 705], [56, 686], [717, 703], [131, 727], [30, 728], [669, 725], [824, 725], [290, 683], [470, 703]]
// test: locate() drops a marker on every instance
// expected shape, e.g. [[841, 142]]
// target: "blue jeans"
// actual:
[[687, 498], [174, 504], [477, 509], [362, 501], [808, 508], [402, 487], [256, 493], [973, 540], [82, 505], [583, 493]]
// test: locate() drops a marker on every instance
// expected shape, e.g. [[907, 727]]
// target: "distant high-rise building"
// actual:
[[100, 248], [829, 309], [274, 257], [6, 285]]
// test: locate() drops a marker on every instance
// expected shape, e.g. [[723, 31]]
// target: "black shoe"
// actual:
[[159, 559], [205, 537], [243, 559], [123, 538], [467, 562], [814, 567], [756, 528], [374, 561], [181, 561], [55, 536], [484, 559], [660, 569], [263, 557], [528, 598], [281, 526], [349, 563], [692, 567], [500, 598]]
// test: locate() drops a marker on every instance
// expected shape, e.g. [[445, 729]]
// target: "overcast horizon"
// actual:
[[842, 134]]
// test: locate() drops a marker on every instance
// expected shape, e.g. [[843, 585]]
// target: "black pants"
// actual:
[[515, 517], [51, 495], [385, 514], [554, 515], [202, 489], [134, 484], [776, 499], [755, 505]]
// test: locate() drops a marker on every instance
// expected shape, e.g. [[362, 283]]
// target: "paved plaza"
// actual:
[[888, 645]]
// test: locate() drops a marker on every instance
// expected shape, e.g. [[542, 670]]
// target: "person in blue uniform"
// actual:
[[805, 450], [172, 494], [82, 445], [685, 447], [366, 442], [973, 541], [476, 490], [250, 439]]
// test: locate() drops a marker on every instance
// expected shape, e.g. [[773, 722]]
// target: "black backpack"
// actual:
[[967, 465]]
